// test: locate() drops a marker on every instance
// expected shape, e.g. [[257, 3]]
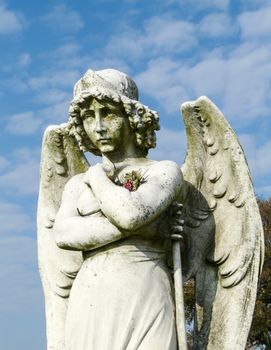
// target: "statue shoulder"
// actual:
[[75, 184], [168, 172], [166, 168]]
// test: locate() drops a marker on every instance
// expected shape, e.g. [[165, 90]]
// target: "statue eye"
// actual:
[[109, 113], [88, 114]]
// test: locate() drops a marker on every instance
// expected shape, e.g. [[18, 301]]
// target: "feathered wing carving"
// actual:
[[61, 159], [223, 232]]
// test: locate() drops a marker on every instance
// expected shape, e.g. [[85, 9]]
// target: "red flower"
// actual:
[[129, 185]]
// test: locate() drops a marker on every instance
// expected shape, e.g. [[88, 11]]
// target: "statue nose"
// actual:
[[99, 125]]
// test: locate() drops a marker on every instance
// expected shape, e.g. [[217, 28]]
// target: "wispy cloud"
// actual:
[[170, 145], [256, 24], [198, 5], [30, 122], [54, 78], [51, 96], [238, 80], [68, 55], [3, 163], [24, 60], [57, 113], [217, 25], [63, 19], [254, 4], [21, 177], [10, 22], [164, 81], [159, 35], [258, 155], [21, 290], [23, 123], [13, 219]]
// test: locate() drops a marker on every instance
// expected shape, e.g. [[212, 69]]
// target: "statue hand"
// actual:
[[176, 222], [94, 172], [171, 223]]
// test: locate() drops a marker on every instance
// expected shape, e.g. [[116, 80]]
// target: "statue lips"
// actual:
[[104, 140]]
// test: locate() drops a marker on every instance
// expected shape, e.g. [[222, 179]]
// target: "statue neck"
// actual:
[[114, 162]]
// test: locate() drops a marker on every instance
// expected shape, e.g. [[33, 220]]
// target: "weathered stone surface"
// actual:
[[106, 232]]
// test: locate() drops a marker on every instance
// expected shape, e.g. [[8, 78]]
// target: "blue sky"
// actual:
[[176, 50]]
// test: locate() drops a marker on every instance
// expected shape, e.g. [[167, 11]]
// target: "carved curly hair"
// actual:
[[143, 121]]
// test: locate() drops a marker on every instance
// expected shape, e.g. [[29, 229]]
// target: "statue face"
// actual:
[[106, 126]]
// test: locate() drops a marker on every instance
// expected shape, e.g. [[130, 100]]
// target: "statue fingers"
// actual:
[[177, 228], [176, 206], [176, 237]]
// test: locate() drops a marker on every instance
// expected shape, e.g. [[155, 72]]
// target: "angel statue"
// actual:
[[112, 237]]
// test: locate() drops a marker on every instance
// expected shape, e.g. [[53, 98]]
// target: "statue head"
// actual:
[[115, 87]]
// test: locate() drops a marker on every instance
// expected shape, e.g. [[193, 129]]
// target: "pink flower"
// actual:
[[129, 185]]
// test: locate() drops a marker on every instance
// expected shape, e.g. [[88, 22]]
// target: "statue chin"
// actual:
[[106, 147]]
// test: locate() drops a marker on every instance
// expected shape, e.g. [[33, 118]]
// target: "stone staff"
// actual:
[[179, 299]]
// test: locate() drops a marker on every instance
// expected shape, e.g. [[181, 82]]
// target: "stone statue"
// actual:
[[105, 232]]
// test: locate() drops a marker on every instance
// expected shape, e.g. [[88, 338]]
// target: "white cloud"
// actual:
[[24, 60], [171, 145], [17, 84], [197, 5], [61, 68], [23, 123], [168, 35], [3, 163], [109, 62], [67, 50], [13, 219], [25, 247], [69, 61], [159, 35], [247, 95], [56, 114], [61, 18], [172, 82], [29, 123], [22, 296], [51, 96], [238, 80], [10, 22], [21, 291], [68, 55], [258, 155], [22, 177], [254, 4], [54, 78], [256, 24], [23, 180], [163, 80], [125, 44], [217, 25]]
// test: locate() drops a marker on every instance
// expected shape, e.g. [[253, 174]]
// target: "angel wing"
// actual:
[[61, 159], [223, 231]]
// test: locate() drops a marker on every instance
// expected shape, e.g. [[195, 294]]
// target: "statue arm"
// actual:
[[84, 233], [130, 211]]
